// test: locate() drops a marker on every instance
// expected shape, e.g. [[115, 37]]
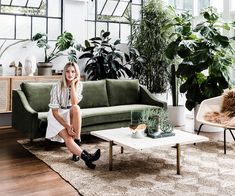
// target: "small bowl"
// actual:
[[138, 130]]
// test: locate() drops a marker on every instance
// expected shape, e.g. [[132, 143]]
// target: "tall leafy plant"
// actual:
[[151, 39], [206, 57], [104, 60]]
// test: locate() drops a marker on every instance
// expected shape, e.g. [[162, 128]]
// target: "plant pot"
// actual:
[[176, 115], [205, 128], [44, 69]]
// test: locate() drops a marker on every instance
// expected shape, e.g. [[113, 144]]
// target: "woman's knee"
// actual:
[[75, 108]]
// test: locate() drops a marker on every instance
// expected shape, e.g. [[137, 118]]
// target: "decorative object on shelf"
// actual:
[[30, 65], [64, 41], [18, 68], [138, 130]]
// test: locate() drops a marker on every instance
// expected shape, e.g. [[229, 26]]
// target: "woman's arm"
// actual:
[[73, 95]]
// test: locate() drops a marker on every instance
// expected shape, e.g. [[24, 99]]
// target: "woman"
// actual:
[[64, 116]]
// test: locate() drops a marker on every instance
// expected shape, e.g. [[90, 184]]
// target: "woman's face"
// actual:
[[70, 73]]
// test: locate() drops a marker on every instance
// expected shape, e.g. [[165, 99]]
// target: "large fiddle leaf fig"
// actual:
[[206, 57]]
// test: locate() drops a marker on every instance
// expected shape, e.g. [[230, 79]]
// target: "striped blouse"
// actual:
[[61, 98]]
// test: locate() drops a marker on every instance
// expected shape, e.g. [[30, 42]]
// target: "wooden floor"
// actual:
[[21, 173]]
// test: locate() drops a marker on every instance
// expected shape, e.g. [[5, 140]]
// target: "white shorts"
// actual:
[[54, 127]]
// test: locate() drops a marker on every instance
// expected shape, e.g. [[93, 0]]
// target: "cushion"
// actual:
[[94, 94], [123, 92], [37, 94], [104, 115]]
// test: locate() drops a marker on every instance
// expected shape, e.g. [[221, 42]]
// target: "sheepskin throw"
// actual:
[[227, 113]]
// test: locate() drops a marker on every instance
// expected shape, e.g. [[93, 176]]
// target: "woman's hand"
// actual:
[[75, 81], [70, 130]]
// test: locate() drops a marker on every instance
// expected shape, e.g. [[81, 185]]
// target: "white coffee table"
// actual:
[[122, 137]]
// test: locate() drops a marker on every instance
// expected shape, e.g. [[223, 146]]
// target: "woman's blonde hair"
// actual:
[[63, 80]]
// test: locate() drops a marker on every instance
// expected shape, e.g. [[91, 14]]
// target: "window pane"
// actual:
[[114, 31], [100, 26], [34, 3], [136, 1], [91, 10], [54, 28], [23, 30], [179, 4], [136, 12], [90, 30], [120, 8], [39, 25], [19, 2], [188, 4], [125, 32], [6, 2], [100, 5], [218, 4], [54, 8], [109, 7], [7, 26]]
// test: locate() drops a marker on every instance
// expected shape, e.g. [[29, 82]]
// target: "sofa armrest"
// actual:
[[24, 117], [147, 98]]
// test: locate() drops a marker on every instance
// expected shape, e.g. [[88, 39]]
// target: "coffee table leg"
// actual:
[[110, 155], [178, 158]]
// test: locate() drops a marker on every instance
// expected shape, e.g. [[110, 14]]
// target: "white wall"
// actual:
[[75, 13]]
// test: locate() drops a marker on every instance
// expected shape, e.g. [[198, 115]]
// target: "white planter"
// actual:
[[176, 115], [205, 128]]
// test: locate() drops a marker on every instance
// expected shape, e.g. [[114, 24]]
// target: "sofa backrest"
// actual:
[[123, 92], [94, 94], [37, 94]]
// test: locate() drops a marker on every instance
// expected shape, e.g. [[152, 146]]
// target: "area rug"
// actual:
[[205, 170]]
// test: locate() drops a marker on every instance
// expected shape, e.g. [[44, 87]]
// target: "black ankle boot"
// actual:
[[75, 157], [87, 160], [93, 157]]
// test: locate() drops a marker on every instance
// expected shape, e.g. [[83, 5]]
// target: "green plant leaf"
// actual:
[[86, 55]]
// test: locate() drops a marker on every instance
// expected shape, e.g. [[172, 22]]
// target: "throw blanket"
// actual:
[[227, 114]]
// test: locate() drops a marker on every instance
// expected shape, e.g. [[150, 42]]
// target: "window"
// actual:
[[21, 19], [113, 16]]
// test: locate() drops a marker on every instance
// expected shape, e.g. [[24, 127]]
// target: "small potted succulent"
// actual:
[[63, 42]]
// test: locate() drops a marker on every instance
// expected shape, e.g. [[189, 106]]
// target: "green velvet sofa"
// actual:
[[106, 104]]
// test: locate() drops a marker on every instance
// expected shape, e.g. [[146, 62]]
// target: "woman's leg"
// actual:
[[76, 120], [75, 149], [69, 142]]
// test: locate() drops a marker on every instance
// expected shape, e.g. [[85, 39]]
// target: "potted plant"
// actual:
[[151, 37], [104, 60], [206, 57], [182, 30], [63, 42]]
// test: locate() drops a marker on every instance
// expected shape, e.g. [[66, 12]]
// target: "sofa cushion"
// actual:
[[102, 115], [123, 92], [37, 94], [94, 94]]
